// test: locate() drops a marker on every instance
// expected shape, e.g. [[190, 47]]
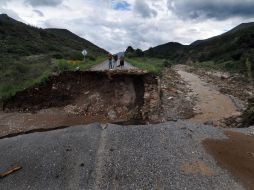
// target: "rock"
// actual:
[[239, 125], [208, 123], [55, 74], [223, 77], [70, 109], [239, 120], [170, 98], [146, 95], [104, 126], [249, 93], [112, 115], [68, 87], [95, 98], [251, 133], [54, 87], [179, 92]]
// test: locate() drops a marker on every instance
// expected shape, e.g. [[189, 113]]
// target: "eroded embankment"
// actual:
[[95, 96]]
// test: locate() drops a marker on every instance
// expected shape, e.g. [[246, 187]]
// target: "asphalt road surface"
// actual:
[[164, 156], [104, 66]]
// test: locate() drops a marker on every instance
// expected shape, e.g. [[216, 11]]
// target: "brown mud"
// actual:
[[212, 105], [238, 87], [235, 154]]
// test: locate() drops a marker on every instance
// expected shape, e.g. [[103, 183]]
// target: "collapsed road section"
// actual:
[[111, 96]]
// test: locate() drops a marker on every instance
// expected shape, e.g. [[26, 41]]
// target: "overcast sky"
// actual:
[[115, 24]]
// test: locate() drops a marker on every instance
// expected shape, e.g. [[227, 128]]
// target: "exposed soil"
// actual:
[[235, 154], [91, 88], [211, 106], [232, 84], [236, 89], [76, 98], [175, 99], [197, 167]]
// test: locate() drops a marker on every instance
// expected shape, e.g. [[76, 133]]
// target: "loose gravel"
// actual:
[[115, 157]]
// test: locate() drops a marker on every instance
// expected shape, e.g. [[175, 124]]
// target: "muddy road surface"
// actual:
[[164, 156], [211, 105]]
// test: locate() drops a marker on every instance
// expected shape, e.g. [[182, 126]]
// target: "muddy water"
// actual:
[[235, 154], [211, 104]]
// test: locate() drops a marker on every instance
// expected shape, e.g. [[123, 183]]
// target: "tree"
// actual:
[[130, 50], [150, 52], [139, 53]]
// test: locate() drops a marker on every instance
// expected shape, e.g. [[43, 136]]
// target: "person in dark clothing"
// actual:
[[110, 57], [115, 61], [122, 62]]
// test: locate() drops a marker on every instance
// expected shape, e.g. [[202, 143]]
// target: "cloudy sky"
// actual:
[[115, 24]]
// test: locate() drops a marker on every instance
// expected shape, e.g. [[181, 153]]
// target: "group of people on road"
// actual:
[[113, 61]]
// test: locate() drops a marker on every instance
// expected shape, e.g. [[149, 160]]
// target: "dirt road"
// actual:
[[104, 66], [211, 105]]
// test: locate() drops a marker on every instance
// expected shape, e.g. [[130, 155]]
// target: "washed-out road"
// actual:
[[164, 156]]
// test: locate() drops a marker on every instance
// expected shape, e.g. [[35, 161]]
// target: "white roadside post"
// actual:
[[84, 53]]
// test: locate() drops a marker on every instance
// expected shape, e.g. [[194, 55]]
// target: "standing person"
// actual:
[[110, 61], [122, 62], [115, 61]]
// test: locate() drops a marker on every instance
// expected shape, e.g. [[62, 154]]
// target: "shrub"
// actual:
[[63, 65]]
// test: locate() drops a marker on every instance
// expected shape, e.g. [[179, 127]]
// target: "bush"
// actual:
[[168, 63], [91, 58], [57, 56], [63, 65]]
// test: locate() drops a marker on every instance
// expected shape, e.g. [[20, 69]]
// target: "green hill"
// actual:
[[231, 51], [19, 39], [29, 54], [171, 50]]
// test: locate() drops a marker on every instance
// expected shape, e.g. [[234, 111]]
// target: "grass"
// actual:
[[72, 65], [18, 75], [152, 65]]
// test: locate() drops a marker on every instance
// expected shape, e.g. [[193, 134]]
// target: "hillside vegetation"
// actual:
[[29, 55], [231, 51], [152, 65], [19, 39]]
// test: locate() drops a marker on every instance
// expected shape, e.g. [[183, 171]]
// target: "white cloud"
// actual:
[[142, 27]]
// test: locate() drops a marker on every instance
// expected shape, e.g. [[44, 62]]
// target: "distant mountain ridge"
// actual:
[[230, 50], [19, 39], [170, 50]]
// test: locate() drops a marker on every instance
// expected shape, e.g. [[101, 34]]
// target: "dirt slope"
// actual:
[[74, 98]]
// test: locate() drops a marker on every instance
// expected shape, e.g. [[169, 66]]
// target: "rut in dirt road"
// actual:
[[212, 106]]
